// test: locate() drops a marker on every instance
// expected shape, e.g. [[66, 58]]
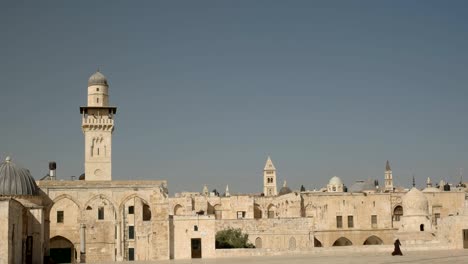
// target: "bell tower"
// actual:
[[97, 125], [388, 178], [269, 179]]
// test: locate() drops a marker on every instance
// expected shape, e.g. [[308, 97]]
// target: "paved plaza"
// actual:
[[449, 256]]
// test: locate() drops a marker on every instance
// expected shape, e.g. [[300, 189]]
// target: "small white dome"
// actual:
[[335, 180], [415, 203]]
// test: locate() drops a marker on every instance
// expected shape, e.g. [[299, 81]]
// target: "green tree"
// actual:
[[232, 238]]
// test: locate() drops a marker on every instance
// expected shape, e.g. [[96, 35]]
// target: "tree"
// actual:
[[232, 238], [302, 188]]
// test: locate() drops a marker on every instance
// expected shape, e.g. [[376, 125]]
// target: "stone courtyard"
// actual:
[[446, 256]]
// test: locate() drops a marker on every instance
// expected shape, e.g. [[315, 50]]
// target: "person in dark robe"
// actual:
[[397, 251]]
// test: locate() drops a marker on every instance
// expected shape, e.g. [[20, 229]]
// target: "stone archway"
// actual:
[[258, 242], [317, 243], [342, 241], [62, 250], [178, 210], [373, 240]]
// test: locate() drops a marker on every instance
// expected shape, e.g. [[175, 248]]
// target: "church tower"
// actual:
[[388, 178], [269, 178], [97, 126]]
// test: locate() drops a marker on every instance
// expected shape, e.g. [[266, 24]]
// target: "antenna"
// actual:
[[460, 173]]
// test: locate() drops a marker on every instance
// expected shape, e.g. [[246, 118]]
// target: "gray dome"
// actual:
[[15, 180], [284, 190], [97, 79], [361, 186]]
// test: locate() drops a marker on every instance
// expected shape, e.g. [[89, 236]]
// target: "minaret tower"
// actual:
[[98, 125], [388, 178], [269, 178]]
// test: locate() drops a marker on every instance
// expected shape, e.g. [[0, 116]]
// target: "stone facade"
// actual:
[[95, 219]]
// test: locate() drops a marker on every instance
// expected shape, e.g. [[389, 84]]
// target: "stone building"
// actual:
[[23, 218], [97, 219]]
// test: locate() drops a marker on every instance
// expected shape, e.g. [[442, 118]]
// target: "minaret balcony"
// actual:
[[97, 121]]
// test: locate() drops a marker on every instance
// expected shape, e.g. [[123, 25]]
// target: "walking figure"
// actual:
[[397, 251]]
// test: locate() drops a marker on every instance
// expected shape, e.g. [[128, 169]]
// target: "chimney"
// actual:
[[52, 169]]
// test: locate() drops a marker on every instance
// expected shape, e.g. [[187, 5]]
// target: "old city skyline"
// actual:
[[323, 89]]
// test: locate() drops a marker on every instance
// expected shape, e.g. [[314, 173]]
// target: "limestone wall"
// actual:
[[102, 208]]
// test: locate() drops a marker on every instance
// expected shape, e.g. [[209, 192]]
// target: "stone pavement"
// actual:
[[446, 256]]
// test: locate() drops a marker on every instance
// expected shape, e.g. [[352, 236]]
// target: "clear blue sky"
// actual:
[[206, 90]]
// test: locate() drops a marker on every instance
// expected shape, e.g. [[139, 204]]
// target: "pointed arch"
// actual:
[[62, 250], [178, 209], [373, 240], [317, 243], [127, 198], [102, 197], [64, 196], [257, 211], [271, 211], [342, 241]]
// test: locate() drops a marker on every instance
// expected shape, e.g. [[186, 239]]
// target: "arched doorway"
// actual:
[[258, 242], [62, 250], [373, 240], [342, 241], [292, 243]]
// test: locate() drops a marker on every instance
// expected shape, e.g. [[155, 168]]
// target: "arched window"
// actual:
[[146, 212], [397, 213]]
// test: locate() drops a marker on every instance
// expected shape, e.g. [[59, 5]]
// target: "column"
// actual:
[[118, 242], [82, 243]]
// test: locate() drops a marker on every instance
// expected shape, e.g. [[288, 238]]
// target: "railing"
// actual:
[[98, 121]]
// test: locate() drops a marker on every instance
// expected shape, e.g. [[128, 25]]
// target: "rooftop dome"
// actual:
[[415, 203], [97, 79], [15, 180], [335, 180], [284, 190], [361, 186]]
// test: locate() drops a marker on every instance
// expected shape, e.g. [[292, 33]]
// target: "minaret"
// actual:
[[388, 178], [269, 179], [428, 182], [98, 125]]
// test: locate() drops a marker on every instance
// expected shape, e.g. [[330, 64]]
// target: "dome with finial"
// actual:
[[415, 203], [285, 189], [15, 180], [335, 180], [97, 79]]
